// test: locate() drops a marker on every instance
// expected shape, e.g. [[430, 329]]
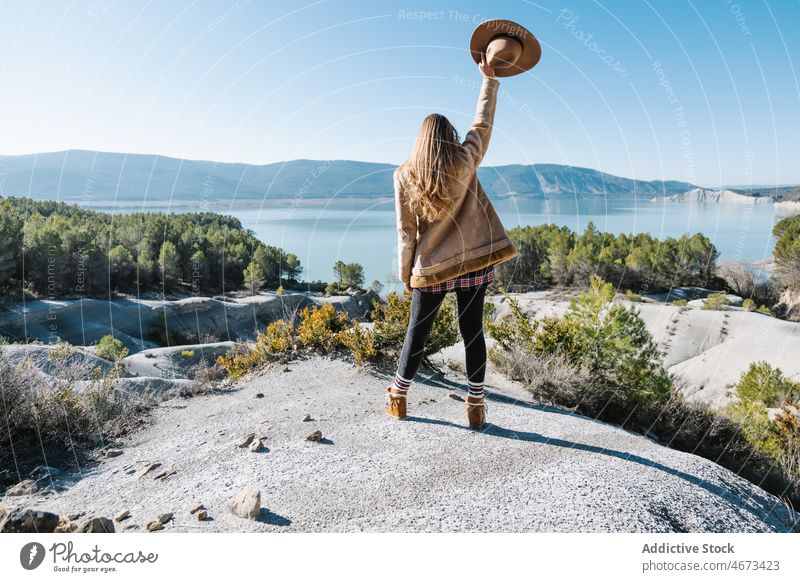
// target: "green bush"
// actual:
[[764, 309], [764, 384], [110, 348], [330, 289], [360, 341], [319, 326], [680, 302], [760, 387], [716, 302], [748, 304], [280, 290], [187, 354], [596, 334]]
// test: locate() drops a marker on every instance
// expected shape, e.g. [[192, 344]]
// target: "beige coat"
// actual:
[[469, 235]]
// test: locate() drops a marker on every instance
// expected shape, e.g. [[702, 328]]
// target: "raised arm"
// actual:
[[406, 232], [477, 139]]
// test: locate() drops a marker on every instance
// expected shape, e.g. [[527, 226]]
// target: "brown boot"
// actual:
[[476, 411], [397, 402]]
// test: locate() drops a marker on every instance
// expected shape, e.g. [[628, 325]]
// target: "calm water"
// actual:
[[320, 236]]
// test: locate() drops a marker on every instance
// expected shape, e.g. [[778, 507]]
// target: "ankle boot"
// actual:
[[476, 411], [397, 402]]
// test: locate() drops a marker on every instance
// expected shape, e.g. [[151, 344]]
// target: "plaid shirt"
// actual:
[[465, 281]]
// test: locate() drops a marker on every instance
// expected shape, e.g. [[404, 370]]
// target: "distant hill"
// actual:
[[714, 196], [86, 176], [778, 194]]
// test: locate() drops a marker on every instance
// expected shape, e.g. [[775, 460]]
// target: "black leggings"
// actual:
[[424, 306]]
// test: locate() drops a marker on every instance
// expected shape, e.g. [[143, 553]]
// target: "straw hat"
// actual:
[[509, 47]]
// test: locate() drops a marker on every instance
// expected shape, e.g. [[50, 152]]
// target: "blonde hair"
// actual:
[[431, 167]]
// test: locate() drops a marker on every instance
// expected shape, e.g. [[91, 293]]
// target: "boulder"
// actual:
[[26, 487], [29, 521], [246, 504], [96, 525]]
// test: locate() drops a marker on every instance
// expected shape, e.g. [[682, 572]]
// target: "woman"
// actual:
[[449, 239]]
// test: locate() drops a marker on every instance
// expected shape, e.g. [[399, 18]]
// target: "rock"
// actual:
[[455, 396], [246, 504], [307, 418], [315, 436], [66, 526], [113, 453], [165, 517], [130, 526], [96, 525], [75, 516], [256, 446], [122, 516], [155, 525], [29, 521], [27, 487], [147, 469], [286, 369], [259, 395], [245, 440], [164, 475], [202, 515], [195, 507], [2, 513]]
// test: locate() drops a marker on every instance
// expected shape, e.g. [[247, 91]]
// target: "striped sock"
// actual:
[[475, 388], [401, 383]]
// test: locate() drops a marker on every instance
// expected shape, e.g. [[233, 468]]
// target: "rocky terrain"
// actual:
[[708, 350], [308, 448]]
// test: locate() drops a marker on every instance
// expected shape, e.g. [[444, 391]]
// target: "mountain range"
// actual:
[[88, 176]]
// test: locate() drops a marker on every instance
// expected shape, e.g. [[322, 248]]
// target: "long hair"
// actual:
[[433, 164]]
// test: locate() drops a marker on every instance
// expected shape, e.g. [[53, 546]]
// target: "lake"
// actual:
[[366, 234]]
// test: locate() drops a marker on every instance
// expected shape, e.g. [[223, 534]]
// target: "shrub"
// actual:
[[748, 304], [391, 321], [330, 289], [604, 338], [765, 310], [280, 290], [762, 387], [52, 418], [360, 342], [631, 296], [110, 348], [680, 302], [786, 435], [279, 337], [716, 301], [615, 344], [600, 360], [240, 360], [319, 326], [187, 354], [763, 384]]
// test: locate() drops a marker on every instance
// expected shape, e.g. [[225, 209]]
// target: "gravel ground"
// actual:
[[533, 468]]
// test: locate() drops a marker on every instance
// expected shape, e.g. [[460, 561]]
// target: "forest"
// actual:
[[55, 249]]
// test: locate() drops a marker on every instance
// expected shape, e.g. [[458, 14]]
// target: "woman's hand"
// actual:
[[408, 287], [484, 68]]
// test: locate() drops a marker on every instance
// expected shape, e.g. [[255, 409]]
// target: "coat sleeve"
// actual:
[[477, 139], [406, 232]]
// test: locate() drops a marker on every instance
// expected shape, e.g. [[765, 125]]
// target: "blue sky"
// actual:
[[702, 91]]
